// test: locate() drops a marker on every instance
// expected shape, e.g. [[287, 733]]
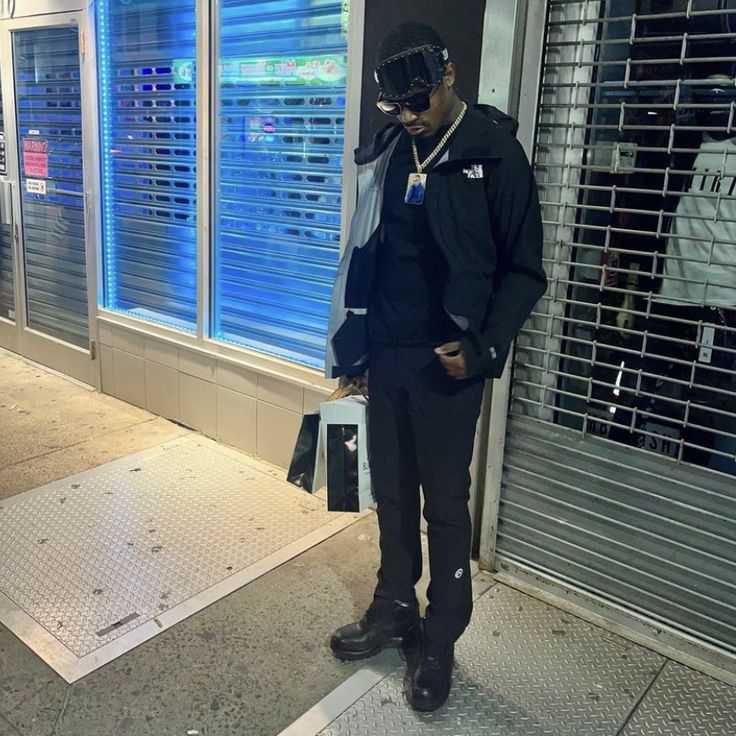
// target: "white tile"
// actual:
[[161, 352], [162, 390], [107, 367], [105, 333], [312, 400], [197, 364], [198, 404], [126, 340], [130, 378], [280, 393], [277, 431], [237, 379], [236, 420]]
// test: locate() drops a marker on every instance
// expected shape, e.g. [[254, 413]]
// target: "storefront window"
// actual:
[[281, 127], [146, 56], [637, 162]]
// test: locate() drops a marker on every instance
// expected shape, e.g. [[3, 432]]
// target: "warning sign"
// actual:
[[35, 157], [35, 186]]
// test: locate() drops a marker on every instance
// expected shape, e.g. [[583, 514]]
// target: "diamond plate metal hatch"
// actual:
[[95, 564], [523, 668]]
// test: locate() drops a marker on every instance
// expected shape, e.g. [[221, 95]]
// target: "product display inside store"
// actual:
[[647, 341]]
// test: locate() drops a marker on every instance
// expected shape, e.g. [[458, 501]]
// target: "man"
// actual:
[[430, 293]]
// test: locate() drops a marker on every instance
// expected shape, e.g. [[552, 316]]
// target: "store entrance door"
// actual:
[[45, 253]]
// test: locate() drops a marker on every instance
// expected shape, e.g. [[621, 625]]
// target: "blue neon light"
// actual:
[[148, 138]]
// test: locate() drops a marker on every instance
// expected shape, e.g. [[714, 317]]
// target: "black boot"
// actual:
[[429, 678], [385, 624]]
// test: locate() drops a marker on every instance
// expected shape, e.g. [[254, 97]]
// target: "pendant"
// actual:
[[415, 187]]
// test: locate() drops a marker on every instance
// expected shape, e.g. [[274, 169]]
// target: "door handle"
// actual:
[[6, 202]]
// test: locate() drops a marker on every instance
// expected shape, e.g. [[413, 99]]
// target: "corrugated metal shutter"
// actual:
[[146, 54], [621, 448], [49, 110], [7, 297], [282, 101]]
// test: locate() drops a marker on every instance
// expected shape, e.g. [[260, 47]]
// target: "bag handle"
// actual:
[[354, 387]]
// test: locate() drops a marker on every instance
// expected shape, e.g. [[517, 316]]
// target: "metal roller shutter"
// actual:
[[621, 443], [49, 111], [7, 295], [146, 55], [282, 124]]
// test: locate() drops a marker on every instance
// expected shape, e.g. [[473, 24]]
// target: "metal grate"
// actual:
[[146, 56], [636, 162], [282, 100]]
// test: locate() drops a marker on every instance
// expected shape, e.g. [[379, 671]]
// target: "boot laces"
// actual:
[[379, 608]]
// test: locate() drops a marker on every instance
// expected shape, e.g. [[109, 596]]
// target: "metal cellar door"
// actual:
[[619, 470]]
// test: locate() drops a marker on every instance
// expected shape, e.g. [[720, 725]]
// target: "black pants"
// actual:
[[422, 429]]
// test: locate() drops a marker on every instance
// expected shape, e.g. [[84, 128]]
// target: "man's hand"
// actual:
[[452, 357], [361, 380]]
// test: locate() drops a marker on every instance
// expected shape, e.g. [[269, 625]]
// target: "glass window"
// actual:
[[7, 297], [281, 117], [147, 95], [49, 111]]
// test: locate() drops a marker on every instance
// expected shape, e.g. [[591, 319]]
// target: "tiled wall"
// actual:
[[239, 407]]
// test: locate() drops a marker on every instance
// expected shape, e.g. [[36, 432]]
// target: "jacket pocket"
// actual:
[[361, 271]]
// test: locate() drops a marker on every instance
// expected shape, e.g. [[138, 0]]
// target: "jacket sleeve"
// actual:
[[516, 223]]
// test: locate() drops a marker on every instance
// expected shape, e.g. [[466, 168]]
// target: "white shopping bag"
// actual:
[[344, 440]]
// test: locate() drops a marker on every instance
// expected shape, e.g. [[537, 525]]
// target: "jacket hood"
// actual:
[[481, 133]]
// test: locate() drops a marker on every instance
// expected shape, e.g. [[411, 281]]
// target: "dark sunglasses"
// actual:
[[419, 102]]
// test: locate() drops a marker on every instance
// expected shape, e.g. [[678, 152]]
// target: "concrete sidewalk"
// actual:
[[257, 661], [251, 663]]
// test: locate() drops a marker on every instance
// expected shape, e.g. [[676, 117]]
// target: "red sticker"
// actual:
[[35, 157]]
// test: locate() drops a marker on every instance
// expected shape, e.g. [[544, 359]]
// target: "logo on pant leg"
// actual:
[[458, 573]]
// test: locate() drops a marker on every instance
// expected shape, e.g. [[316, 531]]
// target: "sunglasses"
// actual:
[[419, 102]]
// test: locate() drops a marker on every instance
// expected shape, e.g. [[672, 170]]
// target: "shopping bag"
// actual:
[[344, 434], [306, 469]]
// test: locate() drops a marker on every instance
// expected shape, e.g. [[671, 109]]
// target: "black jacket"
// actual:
[[483, 211]]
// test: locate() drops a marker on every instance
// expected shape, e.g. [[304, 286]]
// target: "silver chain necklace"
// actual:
[[423, 165]]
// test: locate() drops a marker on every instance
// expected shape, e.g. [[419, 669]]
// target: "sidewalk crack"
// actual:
[[62, 710], [646, 692], [77, 444], [4, 721]]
